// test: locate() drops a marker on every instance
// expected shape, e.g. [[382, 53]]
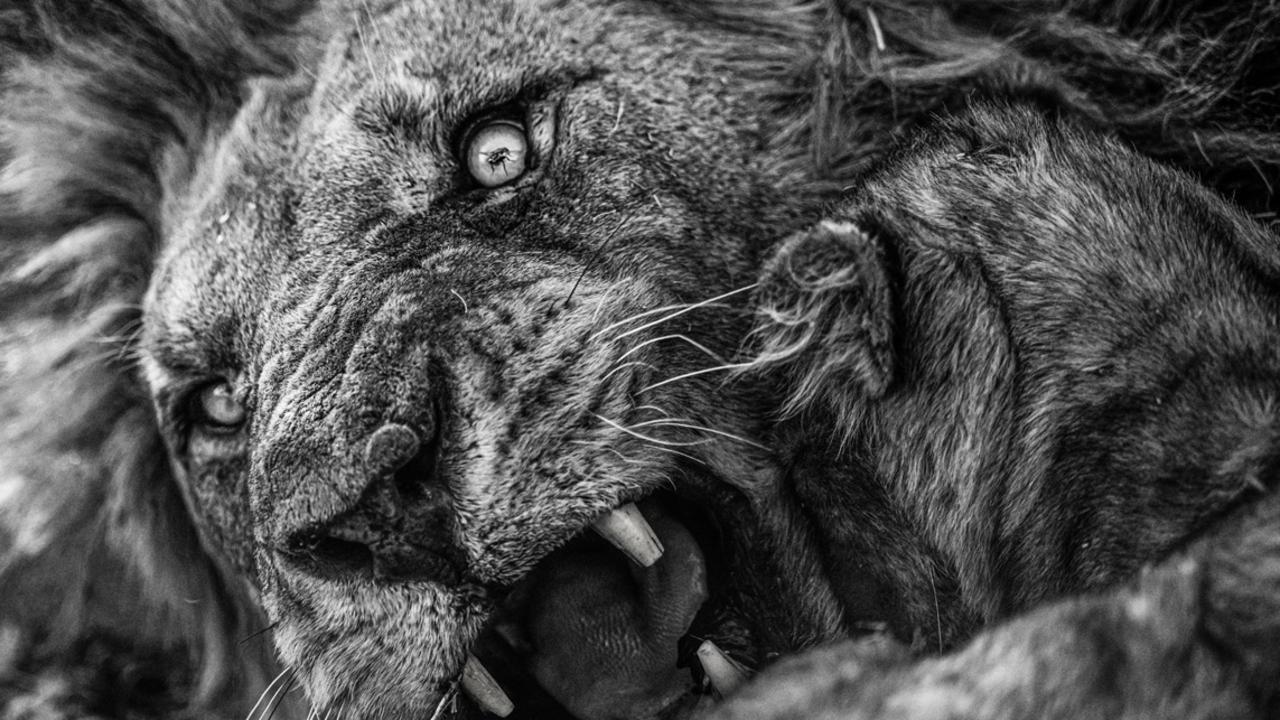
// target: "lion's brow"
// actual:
[[395, 111]]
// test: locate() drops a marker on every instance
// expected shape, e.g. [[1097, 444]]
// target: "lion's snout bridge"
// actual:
[[401, 529]]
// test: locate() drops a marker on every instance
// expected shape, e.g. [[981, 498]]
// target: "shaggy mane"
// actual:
[[101, 101], [1195, 83], [97, 99]]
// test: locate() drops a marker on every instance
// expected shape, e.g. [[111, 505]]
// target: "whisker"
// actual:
[[661, 421], [702, 428], [624, 366], [647, 438], [594, 256], [681, 453], [654, 408], [266, 689], [373, 23], [628, 460], [444, 699], [602, 304], [680, 309], [278, 700], [695, 373], [637, 316], [685, 338], [364, 48], [257, 633]]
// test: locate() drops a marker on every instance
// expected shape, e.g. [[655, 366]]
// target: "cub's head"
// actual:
[[466, 283]]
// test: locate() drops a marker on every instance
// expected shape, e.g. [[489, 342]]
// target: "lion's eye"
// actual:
[[219, 409], [497, 153]]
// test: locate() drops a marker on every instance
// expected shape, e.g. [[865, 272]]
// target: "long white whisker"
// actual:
[[444, 699], [624, 366], [683, 309], [685, 338], [278, 698], [661, 421], [681, 453], [695, 373], [688, 309], [637, 316], [703, 428], [618, 453], [647, 438], [265, 690], [364, 47], [600, 306]]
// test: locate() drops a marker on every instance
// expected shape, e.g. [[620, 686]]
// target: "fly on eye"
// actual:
[[218, 409], [497, 153]]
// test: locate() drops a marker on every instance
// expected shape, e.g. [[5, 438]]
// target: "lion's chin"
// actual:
[[591, 633]]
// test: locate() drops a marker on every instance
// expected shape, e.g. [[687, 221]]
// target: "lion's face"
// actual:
[[425, 317]]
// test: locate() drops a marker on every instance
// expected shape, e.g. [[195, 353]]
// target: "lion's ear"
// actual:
[[827, 317]]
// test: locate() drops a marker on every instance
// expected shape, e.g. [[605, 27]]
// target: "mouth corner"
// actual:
[[640, 611]]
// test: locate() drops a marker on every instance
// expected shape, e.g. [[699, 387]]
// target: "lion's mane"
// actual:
[[105, 102]]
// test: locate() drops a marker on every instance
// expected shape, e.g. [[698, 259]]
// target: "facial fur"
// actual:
[[302, 397], [520, 336]]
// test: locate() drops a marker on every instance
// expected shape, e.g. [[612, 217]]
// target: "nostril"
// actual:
[[396, 451], [329, 557], [411, 480], [401, 528]]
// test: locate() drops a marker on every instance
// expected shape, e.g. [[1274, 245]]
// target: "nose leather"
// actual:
[[390, 448], [401, 529]]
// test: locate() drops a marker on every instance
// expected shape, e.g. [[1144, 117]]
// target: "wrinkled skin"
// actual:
[[950, 410], [516, 338]]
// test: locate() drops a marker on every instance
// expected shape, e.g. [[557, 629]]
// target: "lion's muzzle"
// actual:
[[401, 527]]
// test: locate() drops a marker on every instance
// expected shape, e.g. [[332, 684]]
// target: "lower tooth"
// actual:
[[628, 531], [484, 690], [725, 674]]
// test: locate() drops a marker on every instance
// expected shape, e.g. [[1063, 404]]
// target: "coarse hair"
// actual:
[[104, 102]]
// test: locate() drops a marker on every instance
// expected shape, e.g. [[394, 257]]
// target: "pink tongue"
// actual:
[[604, 630]]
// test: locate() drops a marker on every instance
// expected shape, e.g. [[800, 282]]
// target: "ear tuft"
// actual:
[[826, 318]]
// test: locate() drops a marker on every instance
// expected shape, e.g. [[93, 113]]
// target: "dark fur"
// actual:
[[1084, 381], [107, 104]]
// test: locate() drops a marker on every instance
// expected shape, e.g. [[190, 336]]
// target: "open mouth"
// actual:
[[634, 618]]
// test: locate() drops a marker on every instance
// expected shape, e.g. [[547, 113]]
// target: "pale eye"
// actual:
[[497, 153], [219, 408]]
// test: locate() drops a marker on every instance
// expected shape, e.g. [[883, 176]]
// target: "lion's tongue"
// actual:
[[604, 630]]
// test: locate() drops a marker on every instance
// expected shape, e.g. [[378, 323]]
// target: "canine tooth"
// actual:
[[725, 674], [628, 531], [481, 687]]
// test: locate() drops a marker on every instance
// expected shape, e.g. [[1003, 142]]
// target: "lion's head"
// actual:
[[356, 318], [420, 322], [426, 312]]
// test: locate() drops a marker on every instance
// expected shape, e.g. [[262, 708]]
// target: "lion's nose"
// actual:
[[401, 529]]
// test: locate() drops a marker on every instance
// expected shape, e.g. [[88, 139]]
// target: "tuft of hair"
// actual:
[[826, 323], [1195, 83], [100, 102]]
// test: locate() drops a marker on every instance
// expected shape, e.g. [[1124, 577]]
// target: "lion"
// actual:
[[581, 359]]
